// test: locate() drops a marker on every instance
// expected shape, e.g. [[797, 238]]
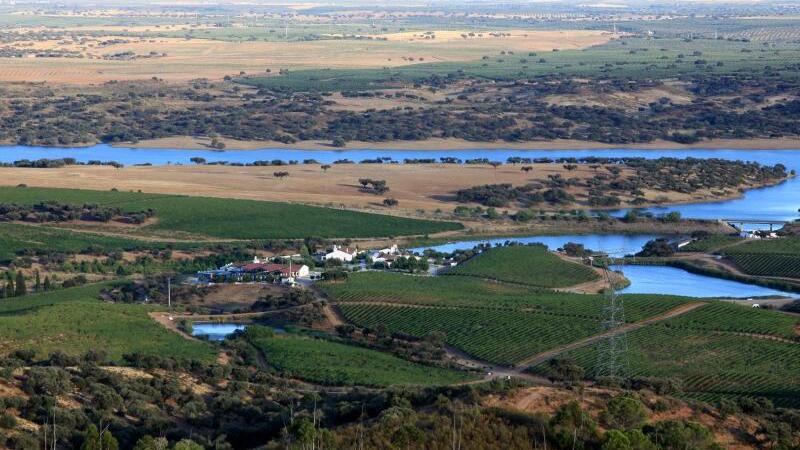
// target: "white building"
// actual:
[[344, 254]]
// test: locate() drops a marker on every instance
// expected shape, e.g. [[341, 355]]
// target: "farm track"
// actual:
[[549, 354]]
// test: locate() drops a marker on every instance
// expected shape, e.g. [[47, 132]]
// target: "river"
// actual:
[[780, 202]]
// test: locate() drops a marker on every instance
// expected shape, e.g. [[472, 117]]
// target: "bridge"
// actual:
[[742, 222]]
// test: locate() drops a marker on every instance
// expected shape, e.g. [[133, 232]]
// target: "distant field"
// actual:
[[213, 53], [783, 246], [75, 321], [710, 365], [18, 238], [499, 323], [633, 57], [236, 219], [333, 363], [526, 264]]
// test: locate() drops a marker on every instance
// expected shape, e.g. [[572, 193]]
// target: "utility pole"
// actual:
[[612, 355]]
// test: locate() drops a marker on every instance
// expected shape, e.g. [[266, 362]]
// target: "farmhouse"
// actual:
[[344, 254], [255, 271]]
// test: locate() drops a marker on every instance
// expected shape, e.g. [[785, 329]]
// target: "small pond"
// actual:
[[216, 331], [674, 281]]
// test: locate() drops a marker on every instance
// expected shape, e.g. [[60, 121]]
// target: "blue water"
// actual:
[[674, 281], [774, 203], [615, 244], [215, 331]]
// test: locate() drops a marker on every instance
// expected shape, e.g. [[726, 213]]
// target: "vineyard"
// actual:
[[710, 243], [730, 317], [709, 365], [468, 292], [787, 266], [782, 246], [332, 363], [498, 336], [526, 264]]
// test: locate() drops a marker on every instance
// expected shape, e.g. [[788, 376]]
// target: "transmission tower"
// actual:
[[612, 355]]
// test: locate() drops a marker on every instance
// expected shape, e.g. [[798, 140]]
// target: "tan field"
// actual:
[[188, 59], [425, 187]]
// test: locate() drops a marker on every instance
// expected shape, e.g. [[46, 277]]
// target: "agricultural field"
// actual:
[[468, 292], [75, 321], [709, 365], [234, 219], [729, 317], [770, 257], [710, 243], [768, 265], [494, 335], [333, 363], [502, 324], [17, 239], [533, 265], [635, 58], [781, 246]]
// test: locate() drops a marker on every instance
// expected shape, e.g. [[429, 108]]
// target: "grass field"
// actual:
[[534, 265], [15, 238], [636, 58], [75, 321], [710, 365], [710, 243], [332, 363], [771, 257], [236, 219], [499, 323]]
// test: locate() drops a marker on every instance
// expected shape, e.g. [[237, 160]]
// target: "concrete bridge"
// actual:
[[740, 223]]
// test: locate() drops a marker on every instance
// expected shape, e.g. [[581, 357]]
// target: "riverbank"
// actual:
[[433, 144]]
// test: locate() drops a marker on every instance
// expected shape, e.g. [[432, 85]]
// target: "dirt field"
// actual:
[[417, 187], [187, 59]]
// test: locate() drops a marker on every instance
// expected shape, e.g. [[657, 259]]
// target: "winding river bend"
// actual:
[[779, 202]]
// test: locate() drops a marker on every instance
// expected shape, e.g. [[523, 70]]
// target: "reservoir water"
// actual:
[[779, 202], [674, 281], [215, 331], [774, 203]]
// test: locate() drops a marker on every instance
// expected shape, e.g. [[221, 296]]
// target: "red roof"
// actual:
[[267, 267]]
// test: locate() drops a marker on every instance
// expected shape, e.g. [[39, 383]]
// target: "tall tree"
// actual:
[[20, 288]]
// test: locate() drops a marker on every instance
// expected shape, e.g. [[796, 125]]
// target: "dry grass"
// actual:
[[417, 187], [188, 59]]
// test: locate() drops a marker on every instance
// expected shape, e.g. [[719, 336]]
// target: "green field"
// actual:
[[710, 243], [16, 238], [782, 246], [634, 58], [236, 219], [526, 264], [332, 363], [499, 323], [769, 257], [710, 365], [75, 321]]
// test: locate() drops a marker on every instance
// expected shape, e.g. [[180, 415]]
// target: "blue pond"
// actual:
[[215, 331], [674, 281]]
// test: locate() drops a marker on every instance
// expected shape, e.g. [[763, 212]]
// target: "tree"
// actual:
[[94, 440], [47, 284], [37, 281], [325, 167], [150, 443], [187, 444], [526, 169], [624, 412], [338, 142], [20, 288], [197, 160], [657, 247], [390, 202], [280, 175]]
